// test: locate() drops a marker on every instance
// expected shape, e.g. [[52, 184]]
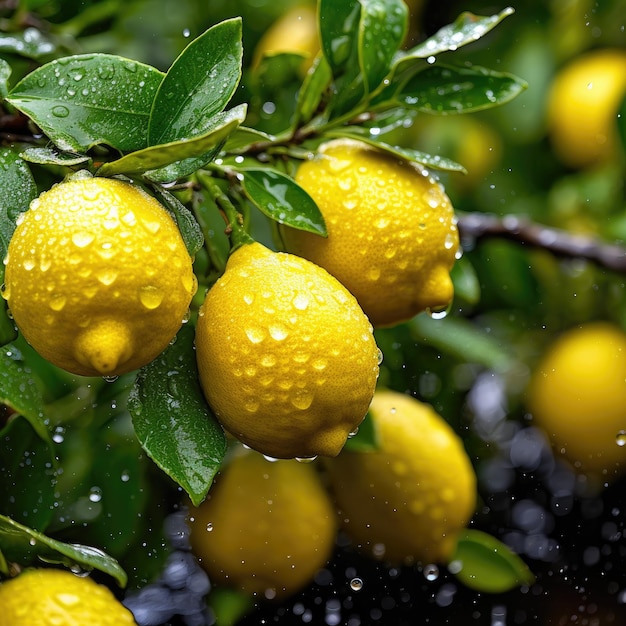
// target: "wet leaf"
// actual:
[[339, 31], [173, 421], [466, 281], [23, 544], [85, 100], [50, 156], [5, 74], [187, 223], [365, 439], [30, 43], [27, 469], [312, 91], [156, 159], [243, 137], [487, 565], [198, 85], [280, 198], [446, 89], [20, 391]]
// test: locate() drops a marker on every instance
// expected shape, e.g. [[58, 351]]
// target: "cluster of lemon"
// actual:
[[98, 280]]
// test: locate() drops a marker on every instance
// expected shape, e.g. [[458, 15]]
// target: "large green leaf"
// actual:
[[483, 563], [198, 85], [27, 467], [156, 159], [22, 544], [173, 421], [446, 89], [282, 199], [339, 28], [85, 100]]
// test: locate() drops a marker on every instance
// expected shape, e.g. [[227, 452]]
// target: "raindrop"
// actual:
[[186, 33], [431, 572], [209, 527], [620, 438], [125, 477], [57, 302], [278, 332], [438, 313], [255, 334], [356, 584], [150, 296], [110, 379], [306, 459], [95, 494], [60, 111]]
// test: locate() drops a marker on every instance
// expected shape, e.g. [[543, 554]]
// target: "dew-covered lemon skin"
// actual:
[[98, 278], [287, 358]]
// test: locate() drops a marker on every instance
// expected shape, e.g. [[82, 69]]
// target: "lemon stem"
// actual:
[[234, 219]]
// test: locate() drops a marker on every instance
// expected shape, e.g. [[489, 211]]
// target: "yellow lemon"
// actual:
[[408, 500], [392, 235], [287, 358], [52, 597], [577, 395], [266, 527], [98, 278], [582, 107]]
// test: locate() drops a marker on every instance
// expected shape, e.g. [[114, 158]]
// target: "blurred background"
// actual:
[[515, 295]]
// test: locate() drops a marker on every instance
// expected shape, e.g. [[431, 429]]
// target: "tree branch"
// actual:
[[474, 226]]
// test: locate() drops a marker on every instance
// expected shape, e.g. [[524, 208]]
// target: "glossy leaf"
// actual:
[[466, 29], [156, 158], [243, 137], [5, 74], [21, 543], [173, 421], [280, 198], [312, 91], [466, 281], [339, 31], [446, 89], [50, 156], [27, 482], [30, 43], [187, 223], [483, 563], [90, 99], [198, 85], [17, 191]]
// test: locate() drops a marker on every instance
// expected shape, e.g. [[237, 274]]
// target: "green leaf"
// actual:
[[27, 467], [30, 43], [339, 27], [466, 29], [155, 159], [365, 439], [445, 89], [282, 199], [466, 282], [621, 126], [17, 191], [483, 563], [173, 421], [312, 91], [90, 99], [50, 156], [198, 85], [230, 605], [243, 137], [5, 74], [20, 391], [21, 544], [187, 223]]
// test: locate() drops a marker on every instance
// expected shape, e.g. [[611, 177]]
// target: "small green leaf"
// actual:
[[281, 199], [365, 439], [243, 137], [312, 91], [466, 281], [27, 482], [30, 43], [20, 391], [483, 563], [339, 23], [50, 156], [21, 544], [445, 89], [198, 85], [173, 421], [90, 99], [187, 223], [466, 29], [5, 74], [159, 157]]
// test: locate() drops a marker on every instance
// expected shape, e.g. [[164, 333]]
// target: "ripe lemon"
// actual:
[[266, 527], [287, 358], [392, 235], [408, 500], [52, 597], [582, 107], [98, 278], [577, 394]]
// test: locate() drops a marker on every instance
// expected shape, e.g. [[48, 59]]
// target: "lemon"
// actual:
[[583, 105], [287, 358], [408, 500], [392, 235], [98, 279], [52, 597], [577, 394], [266, 527]]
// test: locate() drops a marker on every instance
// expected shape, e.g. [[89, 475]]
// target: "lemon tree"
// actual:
[[148, 305]]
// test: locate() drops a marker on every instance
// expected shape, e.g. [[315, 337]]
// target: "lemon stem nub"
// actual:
[[104, 346]]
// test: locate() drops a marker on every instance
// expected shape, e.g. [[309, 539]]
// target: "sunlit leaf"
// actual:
[[90, 99], [173, 421], [280, 198], [198, 85], [23, 544], [483, 563]]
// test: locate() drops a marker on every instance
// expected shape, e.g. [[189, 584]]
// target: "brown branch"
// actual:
[[474, 226]]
